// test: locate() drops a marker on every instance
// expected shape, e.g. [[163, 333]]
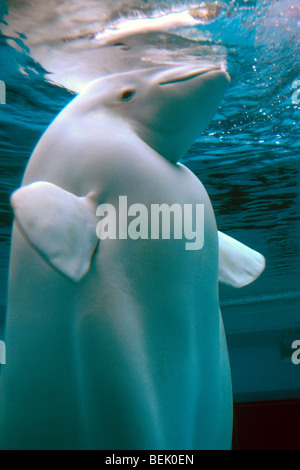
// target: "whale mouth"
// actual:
[[189, 75]]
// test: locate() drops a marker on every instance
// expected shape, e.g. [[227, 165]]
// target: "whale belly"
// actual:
[[153, 360]]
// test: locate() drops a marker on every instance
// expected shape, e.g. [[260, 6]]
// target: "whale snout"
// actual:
[[186, 73]]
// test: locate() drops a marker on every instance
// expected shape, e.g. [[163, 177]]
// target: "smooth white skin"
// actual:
[[134, 355]]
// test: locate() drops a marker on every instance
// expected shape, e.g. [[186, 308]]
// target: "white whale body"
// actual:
[[119, 343]]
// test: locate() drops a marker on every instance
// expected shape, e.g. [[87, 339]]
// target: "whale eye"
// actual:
[[127, 94]]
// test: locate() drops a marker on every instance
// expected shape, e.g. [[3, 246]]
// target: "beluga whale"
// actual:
[[114, 336]]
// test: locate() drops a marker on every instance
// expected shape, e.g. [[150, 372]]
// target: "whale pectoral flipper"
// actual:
[[59, 225], [239, 265]]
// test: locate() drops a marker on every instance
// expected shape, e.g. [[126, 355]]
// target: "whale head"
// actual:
[[167, 107]]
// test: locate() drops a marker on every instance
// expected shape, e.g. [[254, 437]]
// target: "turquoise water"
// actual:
[[248, 158]]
